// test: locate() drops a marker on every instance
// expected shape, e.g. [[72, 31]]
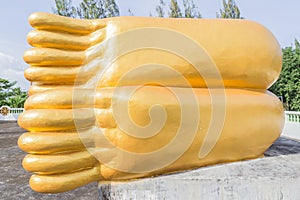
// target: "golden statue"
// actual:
[[129, 97]]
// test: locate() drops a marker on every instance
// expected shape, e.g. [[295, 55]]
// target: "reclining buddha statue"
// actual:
[[122, 98]]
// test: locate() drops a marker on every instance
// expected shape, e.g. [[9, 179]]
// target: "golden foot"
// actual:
[[130, 97], [245, 54]]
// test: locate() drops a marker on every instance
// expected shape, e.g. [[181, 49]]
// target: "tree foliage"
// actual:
[[230, 10], [160, 8], [111, 8], [288, 84], [65, 8], [189, 9], [174, 9], [10, 95], [90, 9], [87, 9]]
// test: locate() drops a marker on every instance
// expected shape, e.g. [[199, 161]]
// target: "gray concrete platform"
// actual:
[[260, 179], [277, 176]]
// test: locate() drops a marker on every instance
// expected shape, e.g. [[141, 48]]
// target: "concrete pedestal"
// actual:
[[264, 178]]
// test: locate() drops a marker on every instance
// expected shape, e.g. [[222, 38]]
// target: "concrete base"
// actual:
[[9, 127], [265, 178], [291, 130]]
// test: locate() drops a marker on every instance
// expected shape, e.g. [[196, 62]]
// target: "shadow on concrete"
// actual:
[[283, 146]]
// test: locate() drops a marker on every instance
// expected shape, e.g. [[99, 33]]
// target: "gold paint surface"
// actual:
[[74, 116]]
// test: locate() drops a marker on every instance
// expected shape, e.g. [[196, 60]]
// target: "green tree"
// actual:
[[18, 98], [96, 9], [190, 9], [160, 8], [230, 10], [111, 8], [5, 91], [10, 95], [288, 84], [174, 9], [87, 9], [91, 9], [65, 8]]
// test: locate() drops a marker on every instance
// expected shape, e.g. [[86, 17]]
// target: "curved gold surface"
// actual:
[[241, 137], [79, 131], [228, 42]]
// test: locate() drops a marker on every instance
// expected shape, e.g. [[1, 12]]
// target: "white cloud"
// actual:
[[12, 69]]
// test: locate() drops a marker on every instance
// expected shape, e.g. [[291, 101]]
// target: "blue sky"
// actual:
[[282, 18]]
